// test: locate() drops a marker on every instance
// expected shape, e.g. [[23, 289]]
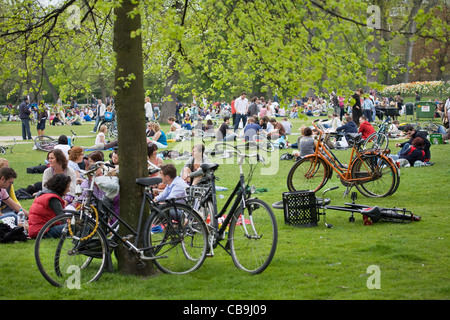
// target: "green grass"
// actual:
[[310, 263]]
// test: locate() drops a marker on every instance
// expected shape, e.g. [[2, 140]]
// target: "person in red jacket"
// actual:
[[48, 204], [365, 128]]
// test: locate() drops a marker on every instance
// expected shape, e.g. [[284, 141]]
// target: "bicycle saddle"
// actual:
[[148, 181], [373, 213]]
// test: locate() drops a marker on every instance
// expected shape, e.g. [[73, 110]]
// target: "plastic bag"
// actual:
[[108, 184]]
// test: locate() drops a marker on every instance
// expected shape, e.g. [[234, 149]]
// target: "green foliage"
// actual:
[[219, 47]]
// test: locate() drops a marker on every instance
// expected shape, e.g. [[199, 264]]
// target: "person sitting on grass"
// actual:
[[175, 185], [48, 204], [7, 176], [306, 143], [411, 134], [413, 153], [365, 128]]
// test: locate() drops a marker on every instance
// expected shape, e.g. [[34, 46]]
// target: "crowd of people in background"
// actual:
[[240, 118]]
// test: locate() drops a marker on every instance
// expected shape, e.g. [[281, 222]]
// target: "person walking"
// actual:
[[101, 109], [24, 115]]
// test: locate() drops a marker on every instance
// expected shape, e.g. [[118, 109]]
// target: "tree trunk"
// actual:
[[50, 85], [168, 105], [129, 99]]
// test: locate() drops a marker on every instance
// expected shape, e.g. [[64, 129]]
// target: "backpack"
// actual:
[[287, 156], [8, 234], [37, 169]]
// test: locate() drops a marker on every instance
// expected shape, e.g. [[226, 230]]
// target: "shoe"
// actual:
[[92, 131]]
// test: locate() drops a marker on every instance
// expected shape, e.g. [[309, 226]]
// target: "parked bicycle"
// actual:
[[174, 237], [371, 171], [110, 122], [250, 223], [47, 143], [379, 139]]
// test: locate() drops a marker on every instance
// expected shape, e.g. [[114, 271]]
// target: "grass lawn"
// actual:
[[310, 263]]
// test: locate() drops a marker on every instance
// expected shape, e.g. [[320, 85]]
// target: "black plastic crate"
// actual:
[[300, 208]]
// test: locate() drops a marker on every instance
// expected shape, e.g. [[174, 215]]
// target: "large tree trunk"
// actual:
[[131, 124]]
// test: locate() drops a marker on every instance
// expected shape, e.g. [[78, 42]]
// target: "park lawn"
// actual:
[[309, 264]]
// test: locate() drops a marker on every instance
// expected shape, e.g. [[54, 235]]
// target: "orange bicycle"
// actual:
[[371, 171]]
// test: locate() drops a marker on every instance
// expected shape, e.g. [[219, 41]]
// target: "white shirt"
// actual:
[[99, 138], [148, 110], [241, 105], [64, 148]]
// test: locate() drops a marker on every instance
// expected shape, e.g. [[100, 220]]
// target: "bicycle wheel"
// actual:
[[45, 143], [64, 258], [384, 176], [376, 141], [253, 236], [178, 239], [309, 173], [2, 150], [112, 131]]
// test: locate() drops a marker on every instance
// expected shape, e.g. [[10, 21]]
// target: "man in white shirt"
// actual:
[[241, 107], [101, 109], [148, 109]]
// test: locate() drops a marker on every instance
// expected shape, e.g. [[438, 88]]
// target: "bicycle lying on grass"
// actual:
[[174, 237], [250, 222], [47, 143], [371, 171], [374, 213], [4, 148]]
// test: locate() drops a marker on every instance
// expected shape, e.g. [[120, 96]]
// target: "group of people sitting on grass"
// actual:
[[415, 151], [65, 163]]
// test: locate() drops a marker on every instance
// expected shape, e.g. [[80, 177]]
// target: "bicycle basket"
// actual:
[[300, 208]]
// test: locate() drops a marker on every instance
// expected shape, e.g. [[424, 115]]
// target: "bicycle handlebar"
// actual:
[[95, 166]]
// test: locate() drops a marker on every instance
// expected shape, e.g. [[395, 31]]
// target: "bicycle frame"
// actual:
[[239, 195], [136, 234], [332, 162]]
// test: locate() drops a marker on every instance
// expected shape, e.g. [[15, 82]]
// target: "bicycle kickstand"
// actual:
[[347, 190]]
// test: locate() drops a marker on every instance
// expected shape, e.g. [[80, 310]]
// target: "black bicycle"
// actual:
[[250, 222], [174, 237]]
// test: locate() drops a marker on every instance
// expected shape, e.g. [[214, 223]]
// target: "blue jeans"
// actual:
[[98, 120], [238, 119], [26, 129], [9, 214], [403, 149], [55, 232]]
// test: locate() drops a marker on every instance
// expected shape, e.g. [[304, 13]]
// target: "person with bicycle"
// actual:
[[101, 109]]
